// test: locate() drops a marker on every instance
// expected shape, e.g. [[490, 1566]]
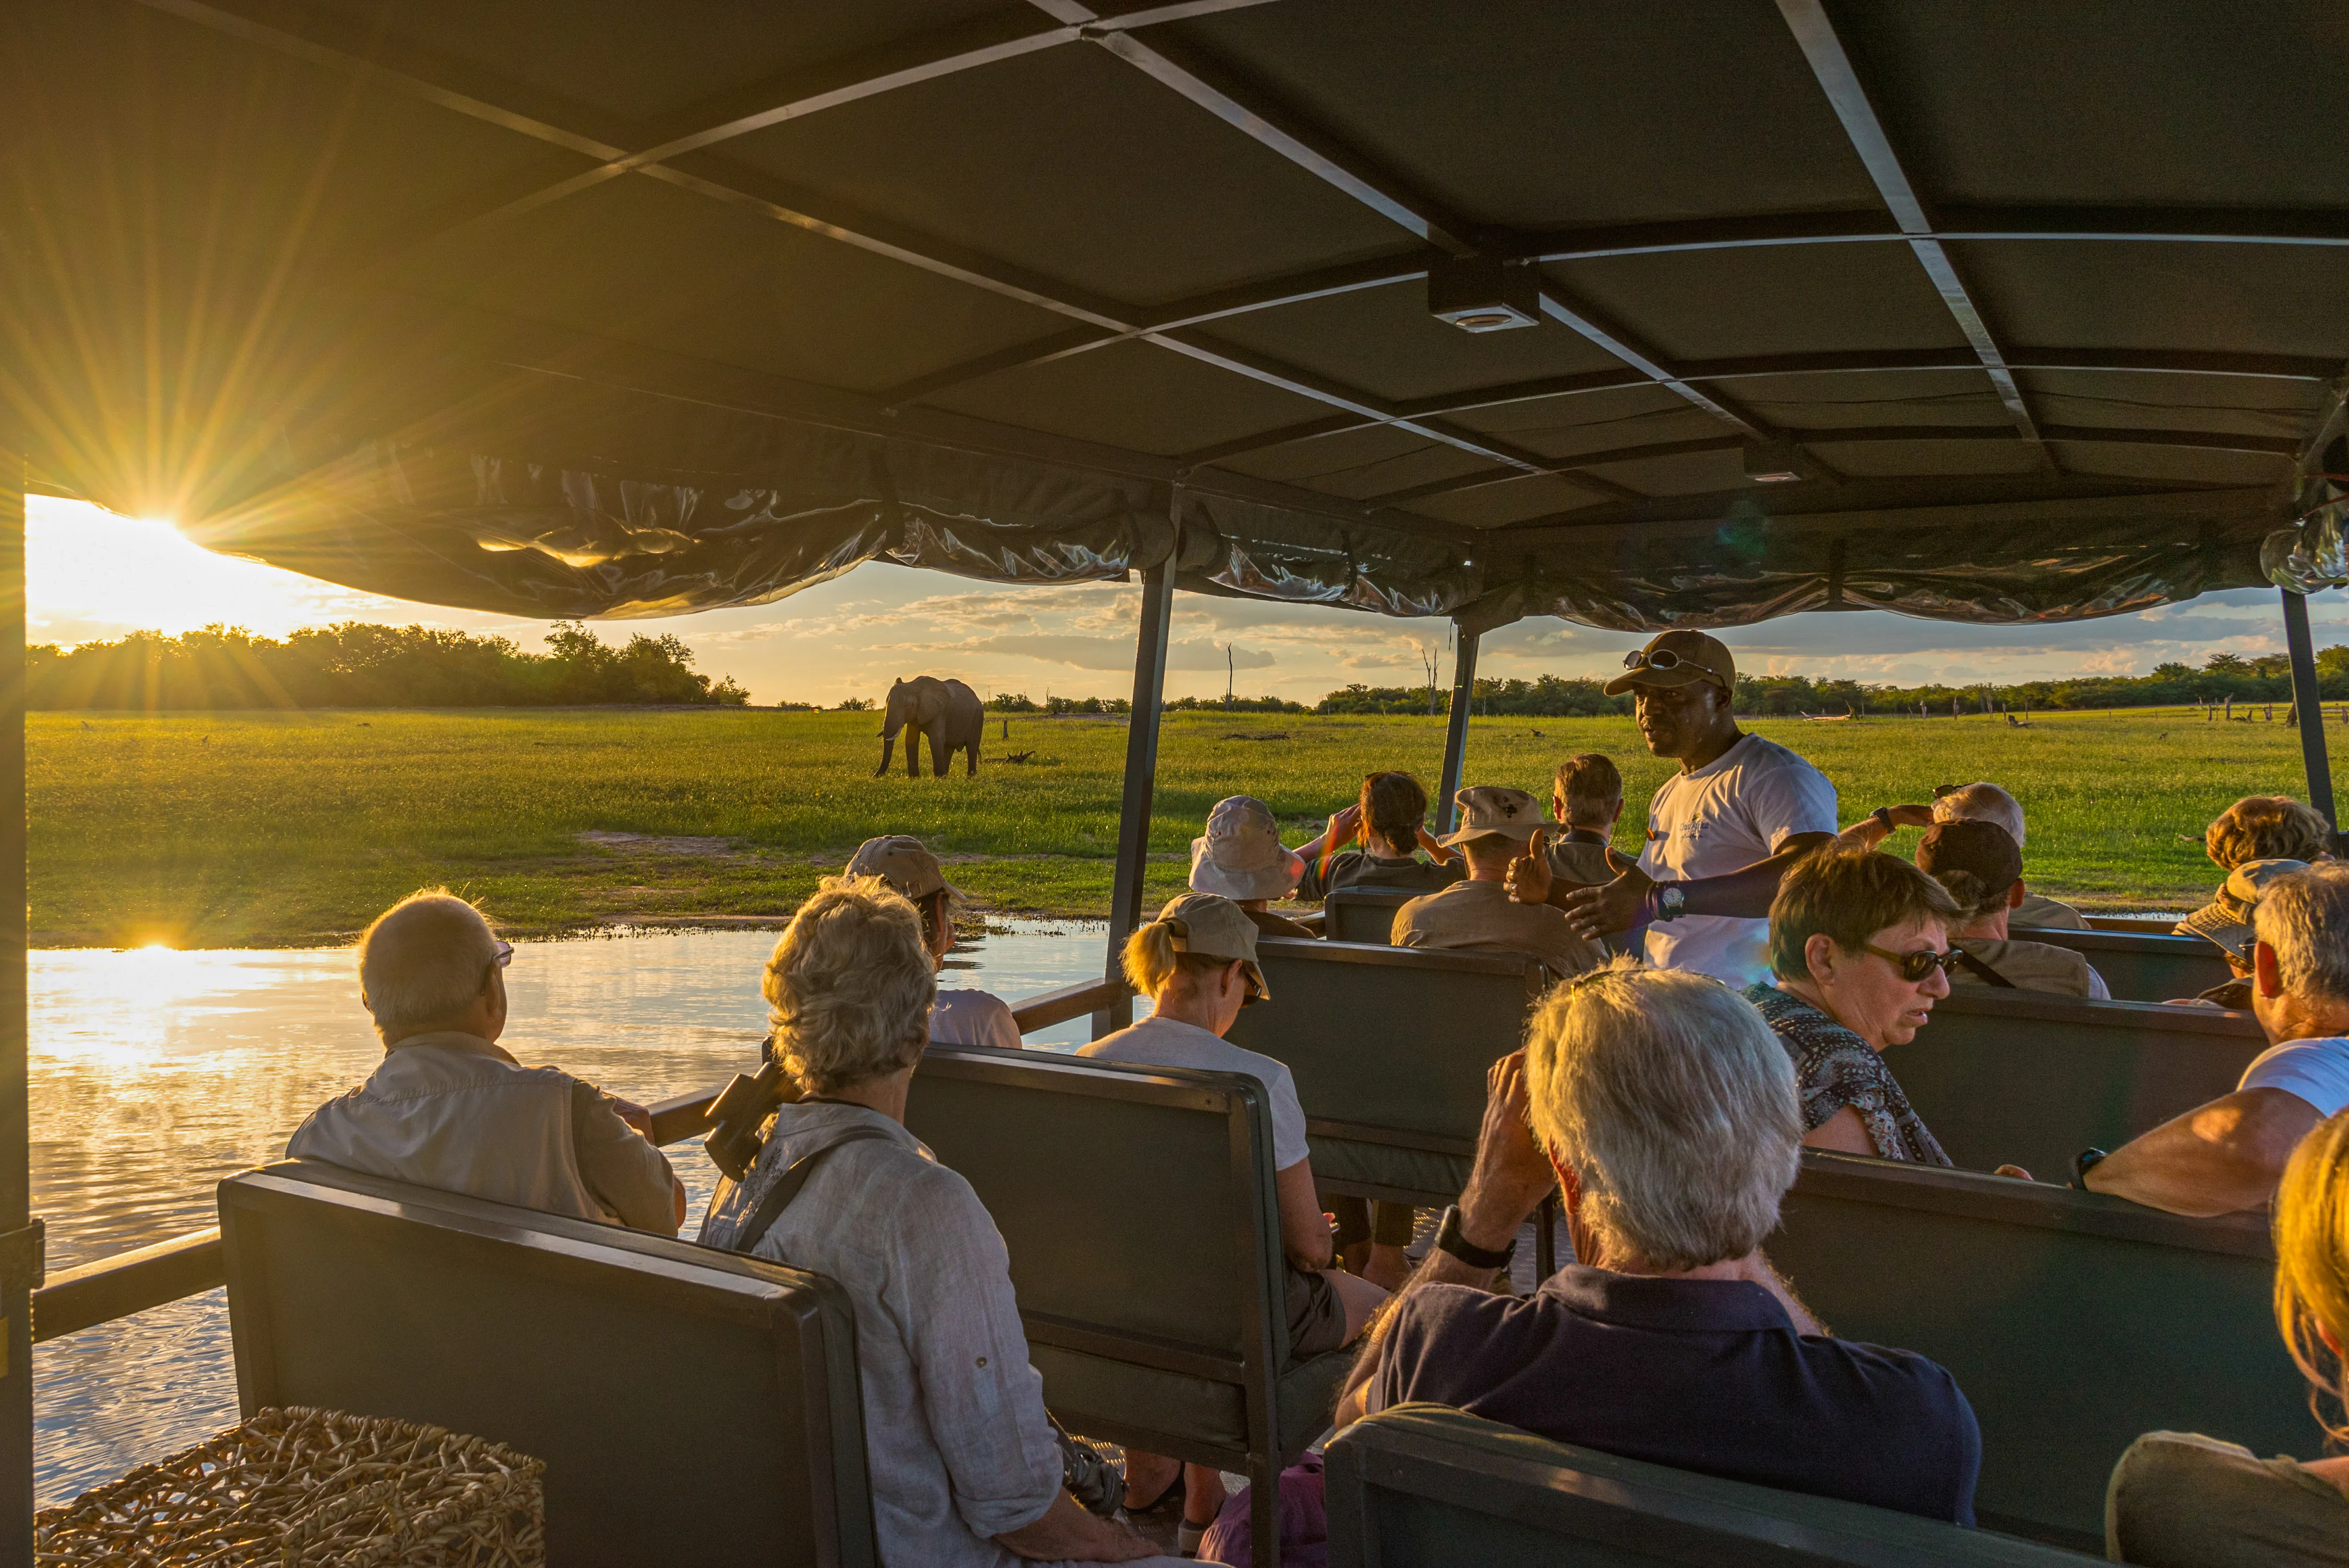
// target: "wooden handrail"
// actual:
[[111, 1287]]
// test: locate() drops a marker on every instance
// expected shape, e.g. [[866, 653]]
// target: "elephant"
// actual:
[[949, 712]]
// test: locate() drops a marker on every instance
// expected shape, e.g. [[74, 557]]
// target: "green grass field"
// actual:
[[276, 829]]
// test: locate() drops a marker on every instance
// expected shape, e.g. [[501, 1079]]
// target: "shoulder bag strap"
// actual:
[[1980, 968], [787, 1187]]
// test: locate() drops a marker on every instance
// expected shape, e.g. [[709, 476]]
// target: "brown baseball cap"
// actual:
[[1677, 658], [1985, 849], [901, 861], [1214, 926]]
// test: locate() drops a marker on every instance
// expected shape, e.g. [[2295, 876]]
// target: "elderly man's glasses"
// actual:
[[498, 959], [1915, 967]]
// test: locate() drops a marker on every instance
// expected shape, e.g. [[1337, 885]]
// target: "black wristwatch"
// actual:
[[2083, 1162], [1450, 1239], [1883, 818]]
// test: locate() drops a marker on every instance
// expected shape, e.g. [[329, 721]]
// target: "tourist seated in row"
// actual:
[[1860, 952], [1241, 858], [2227, 1155], [447, 1108], [1498, 825], [1196, 963], [1587, 800], [2267, 827], [964, 1463], [2225, 924], [1982, 802], [1982, 867], [1671, 1339], [2182, 1501], [957, 1016], [1376, 842]]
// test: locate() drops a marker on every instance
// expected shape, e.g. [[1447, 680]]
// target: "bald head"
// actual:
[[429, 963], [1982, 802]]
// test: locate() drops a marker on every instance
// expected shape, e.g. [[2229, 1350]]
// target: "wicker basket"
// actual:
[[311, 1489]]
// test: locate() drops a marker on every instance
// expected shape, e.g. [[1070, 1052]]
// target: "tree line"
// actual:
[[355, 665]]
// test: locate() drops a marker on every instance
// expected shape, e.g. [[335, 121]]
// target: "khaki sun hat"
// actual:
[[2227, 918], [901, 861], [1213, 927], [1677, 659], [1242, 857], [1494, 808]]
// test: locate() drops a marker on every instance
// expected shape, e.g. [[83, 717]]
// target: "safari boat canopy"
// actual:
[[1642, 315]]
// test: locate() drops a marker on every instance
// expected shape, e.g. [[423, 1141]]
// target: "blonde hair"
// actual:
[[1673, 1103], [850, 985], [1151, 964], [2312, 1248], [2267, 827], [424, 961]]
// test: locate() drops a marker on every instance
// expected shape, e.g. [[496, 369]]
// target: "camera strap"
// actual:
[[1983, 970], [787, 1187]]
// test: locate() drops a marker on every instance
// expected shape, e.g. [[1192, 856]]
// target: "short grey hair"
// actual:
[[1673, 1103], [850, 985], [1982, 802], [2304, 916], [424, 961]]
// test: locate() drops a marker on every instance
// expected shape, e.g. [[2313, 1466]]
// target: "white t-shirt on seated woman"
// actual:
[[973, 1019], [1157, 1042]]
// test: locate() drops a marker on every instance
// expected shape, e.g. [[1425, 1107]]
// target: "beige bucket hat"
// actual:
[[901, 861], [1241, 856], [2227, 919], [1494, 808], [1214, 926]]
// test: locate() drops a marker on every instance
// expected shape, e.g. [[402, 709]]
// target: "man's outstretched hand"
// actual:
[[1611, 907], [1529, 878]]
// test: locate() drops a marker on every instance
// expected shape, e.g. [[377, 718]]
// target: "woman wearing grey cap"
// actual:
[[957, 1018]]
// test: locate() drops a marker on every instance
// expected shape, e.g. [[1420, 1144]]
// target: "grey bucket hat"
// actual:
[[2226, 920]]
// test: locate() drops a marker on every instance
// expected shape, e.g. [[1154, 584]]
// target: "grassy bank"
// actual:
[[276, 829]]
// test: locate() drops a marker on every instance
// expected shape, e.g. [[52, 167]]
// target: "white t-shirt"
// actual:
[[973, 1019], [1157, 1042], [2315, 1070], [1740, 807]]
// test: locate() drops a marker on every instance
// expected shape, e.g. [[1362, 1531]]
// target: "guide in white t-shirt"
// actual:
[[1739, 813]]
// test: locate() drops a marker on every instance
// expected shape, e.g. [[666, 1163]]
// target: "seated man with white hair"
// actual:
[[1674, 1343], [448, 1108], [1982, 802], [2229, 1154]]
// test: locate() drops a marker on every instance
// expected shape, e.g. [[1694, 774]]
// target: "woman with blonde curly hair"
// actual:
[[965, 1466], [2180, 1500]]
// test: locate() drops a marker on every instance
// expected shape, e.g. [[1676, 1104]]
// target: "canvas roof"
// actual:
[[590, 307]]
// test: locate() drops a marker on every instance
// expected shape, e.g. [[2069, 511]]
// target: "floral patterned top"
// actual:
[[1834, 1067]]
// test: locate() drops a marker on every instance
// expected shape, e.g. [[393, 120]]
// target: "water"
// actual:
[[155, 1073]]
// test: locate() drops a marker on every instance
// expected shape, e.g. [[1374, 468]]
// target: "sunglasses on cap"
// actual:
[[1915, 967], [1659, 660]]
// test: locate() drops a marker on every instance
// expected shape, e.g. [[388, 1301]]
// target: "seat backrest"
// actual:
[[1135, 1202], [1364, 913], [691, 1406], [2030, 1080], [1423, 1486], [1394, 1038], [2139, 966], [2073, 1322]]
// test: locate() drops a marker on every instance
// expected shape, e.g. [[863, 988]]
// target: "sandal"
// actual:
[[1174, 1494], [1188, 1537]]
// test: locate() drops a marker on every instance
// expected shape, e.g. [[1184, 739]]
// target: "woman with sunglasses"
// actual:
[[1860, 950]]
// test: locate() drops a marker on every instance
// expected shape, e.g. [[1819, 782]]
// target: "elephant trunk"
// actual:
[[888, 745]]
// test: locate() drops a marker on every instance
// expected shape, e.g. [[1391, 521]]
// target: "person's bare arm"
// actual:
[[1304, 1228], [1506, 1184], [1067, 1533], [1871, 830], [2217, 1158], [1745, 893], [1843, 1132]]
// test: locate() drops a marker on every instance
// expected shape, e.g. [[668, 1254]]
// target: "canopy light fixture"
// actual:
[[1476, 295], [1770, 462]]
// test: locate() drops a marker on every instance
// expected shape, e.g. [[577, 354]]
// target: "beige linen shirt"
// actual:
[[2033, 966], [1481, 917], [2047, 914], [455, 1112]]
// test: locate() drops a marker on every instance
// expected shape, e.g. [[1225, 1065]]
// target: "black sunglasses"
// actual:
[[1915, 967]]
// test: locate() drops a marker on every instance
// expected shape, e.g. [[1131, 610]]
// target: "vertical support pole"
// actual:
[[2308, 705], [1455, 736], [20, 1240], [1141, 777]]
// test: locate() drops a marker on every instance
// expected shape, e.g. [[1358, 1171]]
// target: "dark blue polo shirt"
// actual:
[[1700, 1374]]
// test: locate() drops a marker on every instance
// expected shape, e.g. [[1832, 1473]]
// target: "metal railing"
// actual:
[[165, 1271]]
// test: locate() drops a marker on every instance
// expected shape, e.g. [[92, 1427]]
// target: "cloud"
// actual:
[[1084, 653]]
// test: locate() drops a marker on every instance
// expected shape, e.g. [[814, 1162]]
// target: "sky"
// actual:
[[92, 575]]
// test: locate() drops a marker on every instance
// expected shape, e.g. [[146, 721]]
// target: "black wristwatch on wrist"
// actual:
[[2083, 1162], [1450, 1239]]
